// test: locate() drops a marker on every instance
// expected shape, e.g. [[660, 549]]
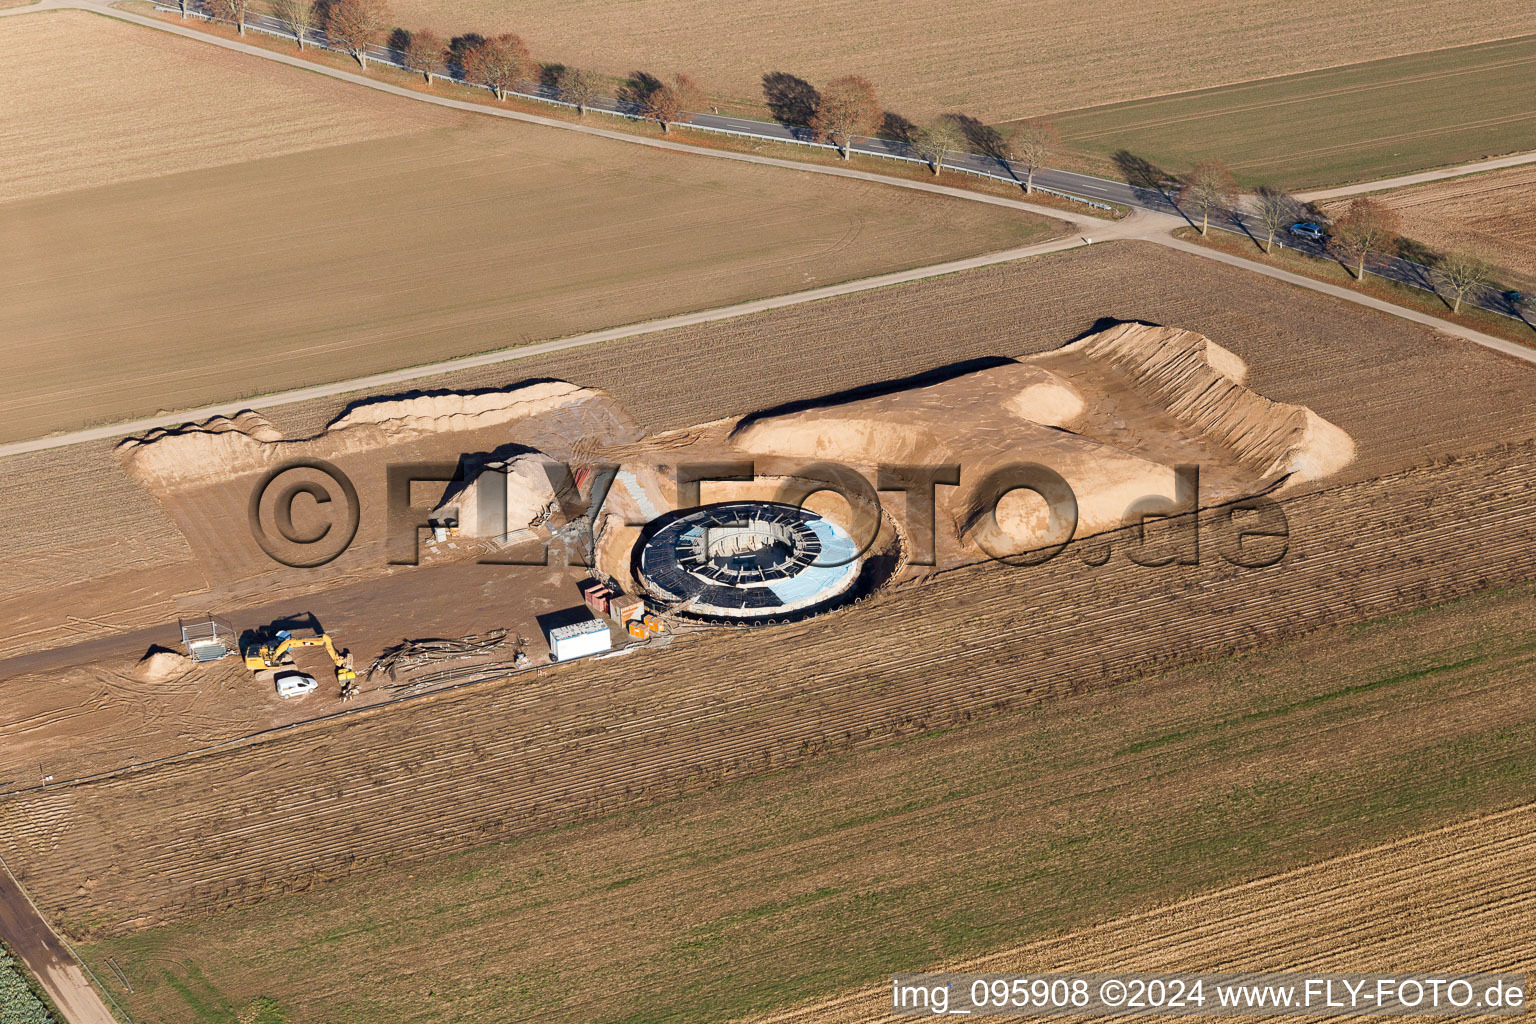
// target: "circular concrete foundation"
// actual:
[[746, 561]]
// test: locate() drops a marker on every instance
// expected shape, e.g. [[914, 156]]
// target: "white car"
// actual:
[[295, 684]]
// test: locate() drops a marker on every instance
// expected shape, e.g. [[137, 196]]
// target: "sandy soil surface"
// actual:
[[928, 59], [1442, 897], [1493, 215], [1113, 413], [143, 105]]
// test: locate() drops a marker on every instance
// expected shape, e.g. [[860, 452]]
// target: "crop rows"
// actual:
[[506, 759], [1366, 908]]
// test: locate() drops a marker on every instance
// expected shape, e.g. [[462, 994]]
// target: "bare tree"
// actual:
[[1462, 272], [298, 15], [353, 25], [500, 64], [666, 103], [1208, 185], [690, 95], [934, 142], [1276, 211], [1368, 226], [579, 87], [233, 10], [425, 53], [1030, 145], [185, 6], [847, 107]]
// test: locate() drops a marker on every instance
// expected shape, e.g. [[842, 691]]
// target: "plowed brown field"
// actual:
[[295, 255], [1491, 214], [146, 104], [451, 772], [834, 875], [71, 515], [1453, 898], [458, 770], [992, 59]]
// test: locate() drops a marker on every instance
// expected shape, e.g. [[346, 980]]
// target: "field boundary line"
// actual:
[[1489, 341], [971, 965], [1418, 178], [513, 354]]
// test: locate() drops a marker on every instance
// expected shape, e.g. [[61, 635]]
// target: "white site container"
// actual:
[[579, 639]]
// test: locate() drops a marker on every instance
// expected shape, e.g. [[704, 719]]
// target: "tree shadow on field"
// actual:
[[894, 126], [986, 140], [791, 100], [458, 46], [550, 76], [637, 90], [398, 40], [1153, 185]]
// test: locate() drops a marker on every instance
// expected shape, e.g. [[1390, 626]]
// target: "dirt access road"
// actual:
[[49, 960]]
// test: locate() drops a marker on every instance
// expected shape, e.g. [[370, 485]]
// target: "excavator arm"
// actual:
[[272, 655]]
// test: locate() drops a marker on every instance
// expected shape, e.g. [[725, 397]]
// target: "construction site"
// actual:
[[575, 600]]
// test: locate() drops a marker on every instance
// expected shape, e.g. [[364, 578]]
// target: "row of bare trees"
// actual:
[[1368, 227], [847, 108], [501, 64]]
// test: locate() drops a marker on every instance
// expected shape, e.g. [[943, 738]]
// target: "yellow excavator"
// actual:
[[277, 652]]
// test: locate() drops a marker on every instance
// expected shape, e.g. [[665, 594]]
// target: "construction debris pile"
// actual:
[[410, 655]]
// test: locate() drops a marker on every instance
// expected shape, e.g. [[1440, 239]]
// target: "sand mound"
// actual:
[[939, 422], [220, 448], [1052, 403], [160, 665], [502, 498], [1199, 383]]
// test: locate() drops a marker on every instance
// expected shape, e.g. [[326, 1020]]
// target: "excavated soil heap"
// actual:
[[220, 448], [161, 665], [1113, 413]]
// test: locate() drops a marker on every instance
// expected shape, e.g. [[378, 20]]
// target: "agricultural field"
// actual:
[[988, 59], [158, 105], [1323, 917], [1084, 809], [448, 801], [1351, 122], [1302, 348], [1493, 215], [413, 238]]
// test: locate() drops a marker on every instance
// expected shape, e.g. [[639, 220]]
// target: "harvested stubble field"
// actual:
[[1352, 122], [1083, 809], [1364, 371], [170, 290], [1493, 215], [1455, 896], [990, 59]]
